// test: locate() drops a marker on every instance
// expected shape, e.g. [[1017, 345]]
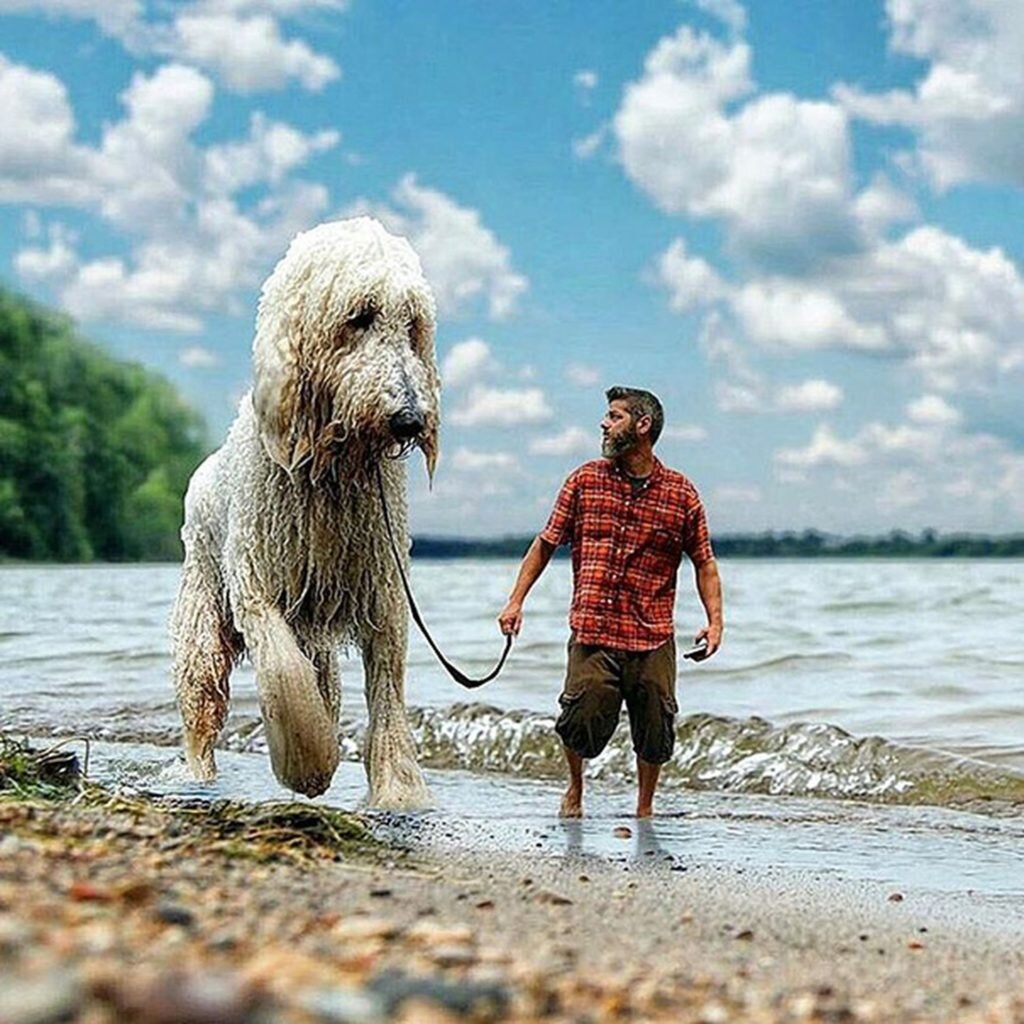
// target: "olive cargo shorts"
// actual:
[[598, 679]]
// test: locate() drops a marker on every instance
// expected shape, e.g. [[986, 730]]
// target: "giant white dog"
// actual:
[[286, 554]]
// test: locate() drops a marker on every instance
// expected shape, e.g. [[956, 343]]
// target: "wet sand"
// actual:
[[133, 912]]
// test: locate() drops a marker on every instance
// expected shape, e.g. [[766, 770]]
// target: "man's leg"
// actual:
[[649, 683], [590, 704], [572, 801], [647, 782]]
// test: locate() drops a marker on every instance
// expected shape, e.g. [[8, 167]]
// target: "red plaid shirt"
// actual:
[[626, 550]]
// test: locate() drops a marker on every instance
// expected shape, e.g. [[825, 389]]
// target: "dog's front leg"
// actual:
[[301, 732], [394, 778]]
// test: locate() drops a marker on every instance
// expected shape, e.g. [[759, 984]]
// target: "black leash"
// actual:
[[460, 677]]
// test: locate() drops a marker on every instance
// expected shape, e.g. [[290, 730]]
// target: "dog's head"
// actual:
[[344, 351]]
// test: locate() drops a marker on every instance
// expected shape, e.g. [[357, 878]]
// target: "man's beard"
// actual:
[[612, 446]]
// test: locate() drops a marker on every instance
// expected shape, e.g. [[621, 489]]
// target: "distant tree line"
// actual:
[[95, 453], [805, 544]]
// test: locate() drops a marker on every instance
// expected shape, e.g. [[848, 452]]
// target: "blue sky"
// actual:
[[794, 222]]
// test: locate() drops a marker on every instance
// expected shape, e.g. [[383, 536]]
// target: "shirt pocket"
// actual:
[[666, 541]]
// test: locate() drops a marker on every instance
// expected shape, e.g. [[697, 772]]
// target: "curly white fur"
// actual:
[[286, 555]]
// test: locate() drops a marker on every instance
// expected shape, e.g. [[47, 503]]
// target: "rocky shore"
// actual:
[[117, 909], [135, 911]]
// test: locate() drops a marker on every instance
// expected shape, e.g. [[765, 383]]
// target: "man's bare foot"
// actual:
[[645, 812], [572, 804]]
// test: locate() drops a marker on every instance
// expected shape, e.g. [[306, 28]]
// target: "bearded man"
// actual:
[[628, 519]]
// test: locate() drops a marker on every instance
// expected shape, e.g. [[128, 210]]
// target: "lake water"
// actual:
[[880, 695]]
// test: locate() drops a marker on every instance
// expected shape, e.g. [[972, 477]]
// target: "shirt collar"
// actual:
[[652, 478]]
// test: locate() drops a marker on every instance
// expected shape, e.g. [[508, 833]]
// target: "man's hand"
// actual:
[[712, 634], [511, 618]]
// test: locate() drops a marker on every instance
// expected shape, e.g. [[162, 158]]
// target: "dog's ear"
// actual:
[[429, 445], [276, 399], [430, 440]]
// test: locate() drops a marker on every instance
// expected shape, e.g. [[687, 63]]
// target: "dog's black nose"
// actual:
[[407, 423]]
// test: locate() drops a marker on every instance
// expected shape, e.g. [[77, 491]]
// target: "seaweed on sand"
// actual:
[[53, 773], [32, 778], [277, 831]]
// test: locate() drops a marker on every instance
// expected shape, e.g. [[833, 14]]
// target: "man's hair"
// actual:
[[640, 403]]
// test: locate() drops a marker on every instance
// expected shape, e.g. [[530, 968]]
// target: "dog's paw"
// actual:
[[398, 786], [200, 761]]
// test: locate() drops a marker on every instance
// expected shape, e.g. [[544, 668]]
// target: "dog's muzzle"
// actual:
[[407, 424]]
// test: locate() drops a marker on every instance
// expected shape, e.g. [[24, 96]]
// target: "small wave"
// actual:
[[152, 657], [977, 595], [861, 606], [784, 661], [713, 752]]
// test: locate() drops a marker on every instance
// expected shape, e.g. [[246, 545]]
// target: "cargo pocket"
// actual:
[[575, 675], [571, 725], [585, 723], [665, 732]]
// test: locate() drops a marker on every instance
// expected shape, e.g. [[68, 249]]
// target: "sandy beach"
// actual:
[[135, 910]]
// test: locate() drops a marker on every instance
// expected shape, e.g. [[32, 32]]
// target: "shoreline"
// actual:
[[128, 910]]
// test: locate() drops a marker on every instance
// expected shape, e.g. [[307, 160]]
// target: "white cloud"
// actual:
[[717, 341], [585, 79], [953, 313], [933, 410], [968, 106], [582, 376], [238, 40], [462, 258], [144, 170], [467, 361], [173, 283], [904, 489], [921, 464], [737, 494], [115, 17], [571, 441], [794, 314], [272, 151], [731, 13], [248, 53], [53, 263], [503, 407], [198, 358], [586, 146], [687, 432], [39, 161], [775, 168], [691, 281], [823, 449], [819, 268], [808, 396], [280, 8], [193, 249], [881, 205], [740, 398], [474, 462]]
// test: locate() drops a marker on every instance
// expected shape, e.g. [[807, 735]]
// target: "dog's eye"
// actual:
[[361, 321]]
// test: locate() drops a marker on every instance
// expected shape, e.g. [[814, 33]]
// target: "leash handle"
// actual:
[[460, 677]]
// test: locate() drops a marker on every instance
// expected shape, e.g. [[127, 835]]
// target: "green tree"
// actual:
[[95, 453]]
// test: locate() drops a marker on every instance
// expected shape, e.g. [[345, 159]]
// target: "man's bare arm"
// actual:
[[709, 587], [534, 562]]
